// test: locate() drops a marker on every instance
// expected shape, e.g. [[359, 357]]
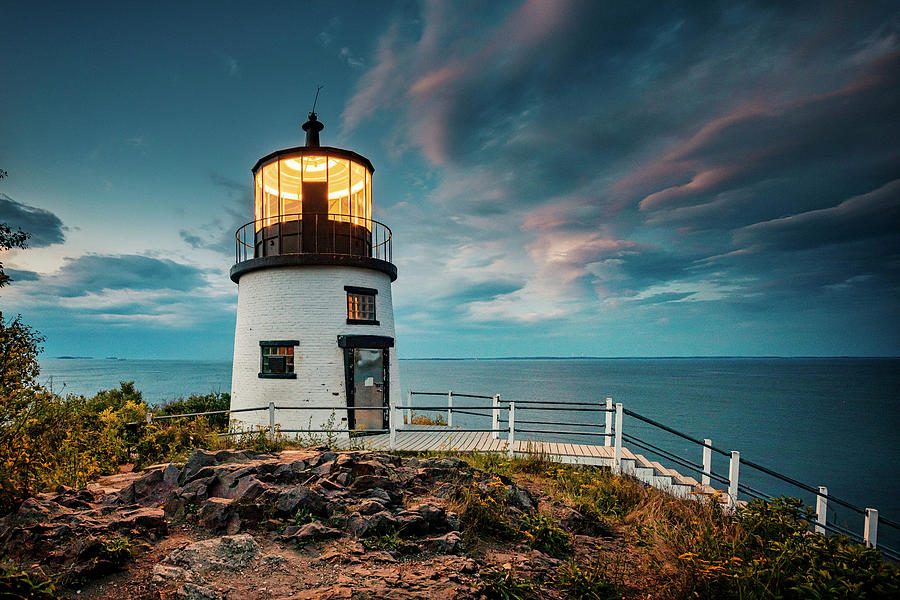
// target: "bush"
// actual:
[[503, 584], [544, 533], [600, 491], [167, 442], [484, 511], [117, 550], [770, 553], [420, 419], [586, 583], [16, 583], [200, 403]]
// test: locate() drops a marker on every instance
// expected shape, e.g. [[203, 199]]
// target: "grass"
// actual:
[[17, 583], [544, 533], [390, 541], [420, 419], [503, 584], [118, 550], [689, 549], [586, 583]]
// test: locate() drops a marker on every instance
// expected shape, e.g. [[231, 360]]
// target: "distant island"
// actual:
[[75, 357]]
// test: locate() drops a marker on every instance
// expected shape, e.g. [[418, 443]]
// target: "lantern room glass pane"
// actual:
[[270, 193], [369, 199], [315, 168], [338, 187], [358, 192], [258, 200], [290, 190]]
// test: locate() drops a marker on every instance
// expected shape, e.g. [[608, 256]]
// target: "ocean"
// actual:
[[822, 421]]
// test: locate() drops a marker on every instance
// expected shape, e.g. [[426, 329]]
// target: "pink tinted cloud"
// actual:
[[701, 182], [707, 162], [377, 86]]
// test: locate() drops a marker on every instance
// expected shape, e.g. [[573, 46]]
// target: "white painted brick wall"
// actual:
[[308, 304]]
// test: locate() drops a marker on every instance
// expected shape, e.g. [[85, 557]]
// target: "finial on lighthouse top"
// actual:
[[313, 126]]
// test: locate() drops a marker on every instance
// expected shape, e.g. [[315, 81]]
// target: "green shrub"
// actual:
[[17, 584], [604, 493], [302, 516], [586, 583], [420, 419], [544, 533], [503, 584], [117, 550], [772, 554], [200, 403], [389, 541], [167, 442], [484, 511]]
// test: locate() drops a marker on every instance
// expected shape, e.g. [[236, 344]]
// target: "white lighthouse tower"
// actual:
[[315, 322]]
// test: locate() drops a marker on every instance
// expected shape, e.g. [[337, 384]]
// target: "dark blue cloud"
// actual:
[[94, 273], [44, 226]]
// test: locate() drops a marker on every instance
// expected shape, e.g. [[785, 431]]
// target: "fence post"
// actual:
[[821, 509], [734, 468], [495, 417], [408, 419], [450, 408], [707, 461], [272, 419], [607, 440], [511, 439], [617, 454], [870, 533], [149, 417], [392, 421]]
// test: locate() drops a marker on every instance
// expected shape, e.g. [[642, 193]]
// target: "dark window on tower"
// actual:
[[277, 359], [361, 305]]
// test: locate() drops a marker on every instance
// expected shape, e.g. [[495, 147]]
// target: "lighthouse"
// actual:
[[315, 322]]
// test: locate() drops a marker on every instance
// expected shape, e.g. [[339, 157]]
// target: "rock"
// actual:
[[33, 511], [226, 552], [311, 532], [290, 501], [520, 498], [370, 507], [377, 524], [380, 494], [163, 573], [142, 520], [446, 462], [369, 482], [195, 462], [191, 591], [218, 515], [449, 543], [411, 523]]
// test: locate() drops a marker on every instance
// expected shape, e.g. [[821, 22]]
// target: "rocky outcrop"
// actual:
[[211, 527]]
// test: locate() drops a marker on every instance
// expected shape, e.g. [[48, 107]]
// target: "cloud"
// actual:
[[218, 234], [351, 59], [20, 275], [45, 227], [95, 273], [872, 215]]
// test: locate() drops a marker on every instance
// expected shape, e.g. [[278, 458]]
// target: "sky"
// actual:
[[562, 178]]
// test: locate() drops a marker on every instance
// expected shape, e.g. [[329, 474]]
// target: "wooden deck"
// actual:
[[443, 439]]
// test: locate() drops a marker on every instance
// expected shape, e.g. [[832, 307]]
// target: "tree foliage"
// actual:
[[10, 238]]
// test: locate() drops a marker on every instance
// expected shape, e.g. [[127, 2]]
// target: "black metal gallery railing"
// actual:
[[316, 233]]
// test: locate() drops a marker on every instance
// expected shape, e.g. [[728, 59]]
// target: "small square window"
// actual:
[[361, 306], [277, 359]]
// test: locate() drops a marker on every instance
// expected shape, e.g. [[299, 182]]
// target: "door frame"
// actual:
[[370, 342]]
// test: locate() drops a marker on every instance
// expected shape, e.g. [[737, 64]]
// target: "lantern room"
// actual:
[[312, 199]]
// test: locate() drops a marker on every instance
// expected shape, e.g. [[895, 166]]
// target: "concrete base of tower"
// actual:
[[298, 348]]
